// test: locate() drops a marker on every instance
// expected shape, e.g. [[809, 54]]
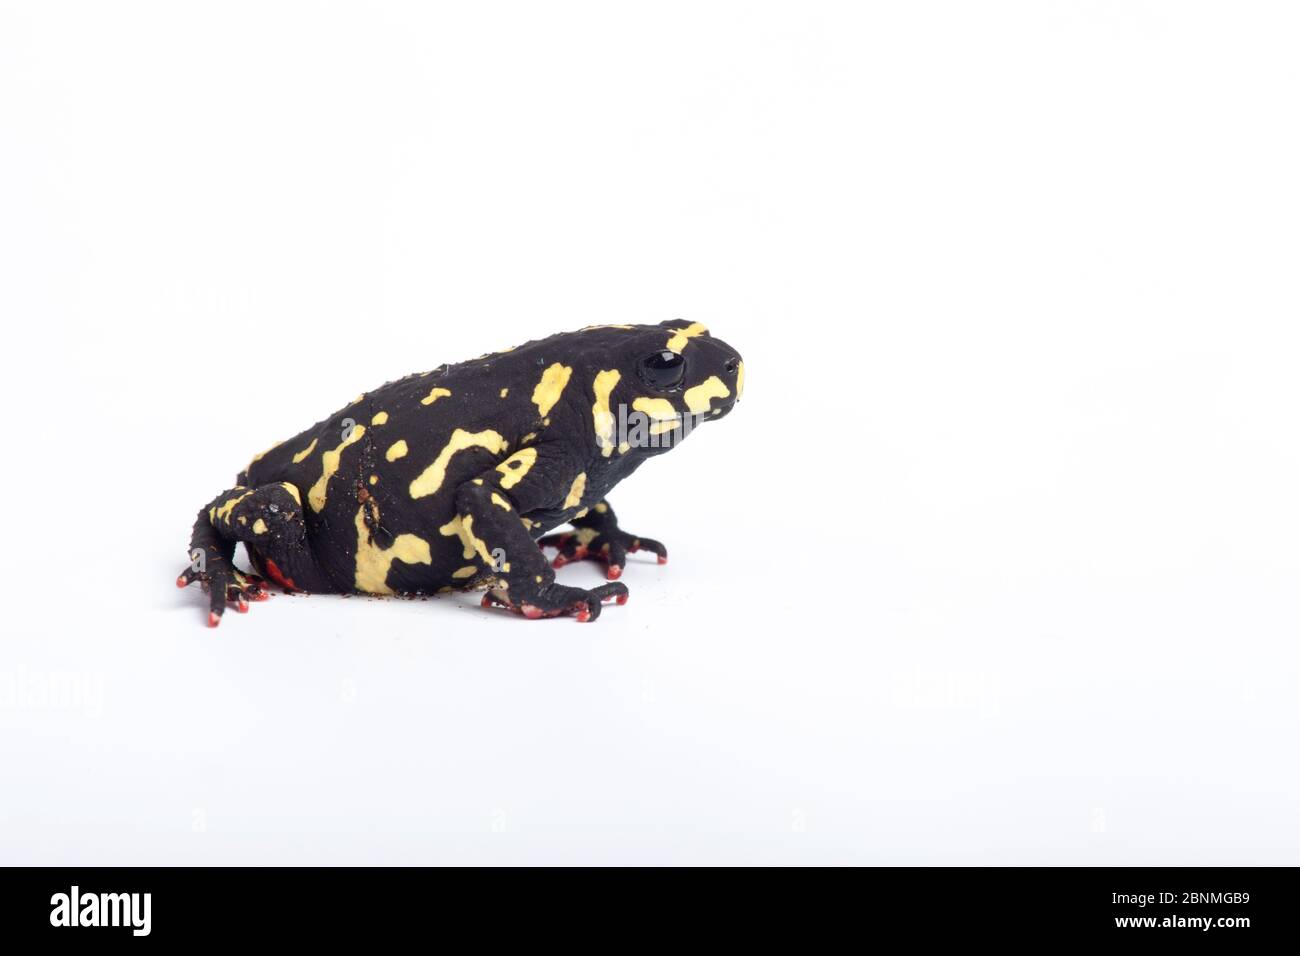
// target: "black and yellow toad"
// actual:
[[451, 479]]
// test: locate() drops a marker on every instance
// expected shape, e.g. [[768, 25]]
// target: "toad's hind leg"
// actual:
[[269, 520]]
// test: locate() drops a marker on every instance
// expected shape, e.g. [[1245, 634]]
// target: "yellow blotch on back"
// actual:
[[516, 466], [397, 450], [574, 497], [680, 337], [329, 465], [299, 458], [601, 416], [434, 395], [374, 562], [548, 389], [292, 490], [431, 479], [381, 418], [697, 399]]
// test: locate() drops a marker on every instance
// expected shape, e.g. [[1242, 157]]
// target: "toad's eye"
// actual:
[[663, 370]]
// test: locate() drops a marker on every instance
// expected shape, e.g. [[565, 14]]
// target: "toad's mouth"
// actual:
[[713, 414]]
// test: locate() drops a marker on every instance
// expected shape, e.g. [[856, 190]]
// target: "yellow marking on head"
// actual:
[[381, 418], [601, 507], [658, 428], [329, 465], [434, 395], [527, 438], [501, 502], [529, 523], [677, 341], [478, 481], [505, 392], [396, 450], [697, 398], [223, 512], [601, 416], [659, 409], [516, 466], [740, 380], [468, 571], [582, 513], [374, 562], [575, 491], [259, 526], [431, 479], [292, 490], [548, 389], [302, 455]]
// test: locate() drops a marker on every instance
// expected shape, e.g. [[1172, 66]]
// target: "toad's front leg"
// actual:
[[597, 536], [490, 528]]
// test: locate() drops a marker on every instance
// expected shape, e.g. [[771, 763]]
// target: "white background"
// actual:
[[995, 563]]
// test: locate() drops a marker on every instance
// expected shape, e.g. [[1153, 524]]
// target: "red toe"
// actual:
[[213, 619], [613, 572]]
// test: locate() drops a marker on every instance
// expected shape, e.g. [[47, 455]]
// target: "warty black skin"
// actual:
[[450, 479]]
